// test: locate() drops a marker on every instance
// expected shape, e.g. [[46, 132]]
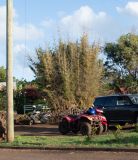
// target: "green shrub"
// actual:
[[118, 134]]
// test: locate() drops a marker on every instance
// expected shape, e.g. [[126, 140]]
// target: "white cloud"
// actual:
[[20, 62], [27, 32], [21, 53], [2, 22], [130, 8], [23, 72], [21, 32], [19, 48], [98, 25], [2, 13], [82, 20]]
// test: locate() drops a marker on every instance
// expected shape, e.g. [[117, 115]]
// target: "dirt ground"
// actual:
[[44, 130], [37, 130]]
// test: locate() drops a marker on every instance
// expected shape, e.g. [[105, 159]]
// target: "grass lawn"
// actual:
[[121, 140]]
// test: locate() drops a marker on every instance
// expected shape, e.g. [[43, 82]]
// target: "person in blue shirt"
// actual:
[[91, 110]]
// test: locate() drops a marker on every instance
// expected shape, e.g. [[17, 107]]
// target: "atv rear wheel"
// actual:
[[85, 129], [99, 129], [64, 127]]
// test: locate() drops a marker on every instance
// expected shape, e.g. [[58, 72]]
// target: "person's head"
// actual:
[[91, 111]]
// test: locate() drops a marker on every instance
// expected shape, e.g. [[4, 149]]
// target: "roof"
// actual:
[[118, 95]]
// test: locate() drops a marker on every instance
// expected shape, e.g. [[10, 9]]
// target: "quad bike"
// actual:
[[87, 123], [39, 117]]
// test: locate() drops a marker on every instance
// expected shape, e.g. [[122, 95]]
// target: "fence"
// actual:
[[31, 108], [28, 108]]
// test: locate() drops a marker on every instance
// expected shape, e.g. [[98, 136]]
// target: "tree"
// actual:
[[121, 66], [2, 74], [68, 74], [3, 90], [26, 93]]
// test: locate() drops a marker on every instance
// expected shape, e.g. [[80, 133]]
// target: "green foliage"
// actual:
[[129, 140], [3, 100], [3, 91], [2, 74], [136, 127], [18, 141], [121, 66], [68, 74], [118, 134], [88, 139], [28, 94]]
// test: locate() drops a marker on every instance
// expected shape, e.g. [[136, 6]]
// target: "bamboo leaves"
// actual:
[[69, 74]]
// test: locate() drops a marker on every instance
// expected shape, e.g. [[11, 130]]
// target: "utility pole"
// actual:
[[9, 83]]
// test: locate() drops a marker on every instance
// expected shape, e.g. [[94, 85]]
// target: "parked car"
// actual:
[[89, 122], [119, 109]]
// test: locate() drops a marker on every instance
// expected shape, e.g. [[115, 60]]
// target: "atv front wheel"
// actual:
[[63, 127], [105, 128], [85, 129], [99, 129], [31, 122]]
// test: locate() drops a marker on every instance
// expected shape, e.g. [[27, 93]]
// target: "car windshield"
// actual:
[[134, 99]]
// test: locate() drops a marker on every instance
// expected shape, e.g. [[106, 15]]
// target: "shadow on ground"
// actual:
[[36, 130], [45, 130]]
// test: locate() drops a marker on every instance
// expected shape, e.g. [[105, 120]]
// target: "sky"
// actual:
[[39, 23]]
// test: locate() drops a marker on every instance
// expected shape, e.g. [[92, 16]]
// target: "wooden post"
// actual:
[[9, 84]]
